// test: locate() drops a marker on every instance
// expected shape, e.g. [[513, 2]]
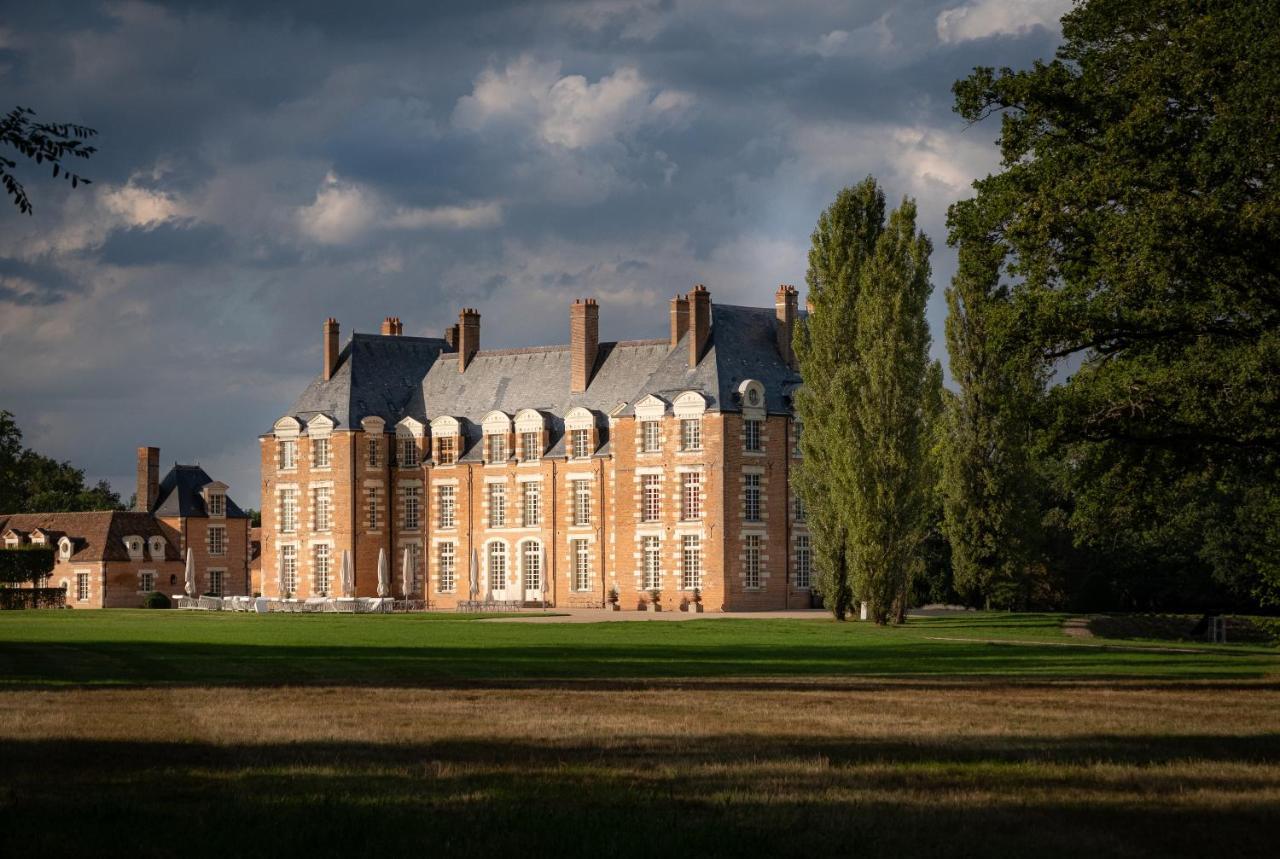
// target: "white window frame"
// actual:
[[804, 562], [496, 493], [753, 435], [651, 436], [321, 453], [690, 562], [752, 492], [84, 586], [690, 496], [146, 581], [581, 564], [322, 508], [446, 566], [497, 565], [412, 507], [288, 509], [581, 504], [322, 568], [217, 536], [217, 577], [289, 568], [447, 505], [531, 504], [651, 562], [752, 554], [651, 498]]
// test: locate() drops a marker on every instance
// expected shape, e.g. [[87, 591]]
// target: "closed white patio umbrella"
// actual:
[[348, 575], [191, 573], [406, 571], [475, 574], [384, 574]]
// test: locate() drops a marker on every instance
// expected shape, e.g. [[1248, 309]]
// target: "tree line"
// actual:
[[33, 483], [1111, 436]]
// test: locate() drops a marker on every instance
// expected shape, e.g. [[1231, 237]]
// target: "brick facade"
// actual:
[[455, 510]]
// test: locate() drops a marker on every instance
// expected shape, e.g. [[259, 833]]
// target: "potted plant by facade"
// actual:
[[695, 604], [613, 599], [655, 600]]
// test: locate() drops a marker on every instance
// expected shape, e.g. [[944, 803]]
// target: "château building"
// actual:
[[114, 558], [547, 475]]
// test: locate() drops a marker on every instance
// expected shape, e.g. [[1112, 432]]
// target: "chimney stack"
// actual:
[[451, 338], [392, 327], [330, 347], [468, 336], [679, 319], [785, 303], [148, 494], [584, 341], [699, 323]]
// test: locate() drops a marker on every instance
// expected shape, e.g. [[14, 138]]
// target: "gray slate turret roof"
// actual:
[[393, 377]]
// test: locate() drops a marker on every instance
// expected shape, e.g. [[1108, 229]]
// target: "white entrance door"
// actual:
[[531, 564], [497, 571]]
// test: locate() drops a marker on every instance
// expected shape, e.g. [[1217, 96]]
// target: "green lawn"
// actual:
[[184, 648], [132, 733]]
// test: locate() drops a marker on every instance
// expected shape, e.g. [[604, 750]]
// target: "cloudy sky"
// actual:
[[261, 170]]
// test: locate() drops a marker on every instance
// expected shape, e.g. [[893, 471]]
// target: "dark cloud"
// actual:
[[265, 165]]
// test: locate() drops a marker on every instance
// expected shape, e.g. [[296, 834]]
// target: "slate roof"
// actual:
[[95, 536], [180, 494], [396, 377]]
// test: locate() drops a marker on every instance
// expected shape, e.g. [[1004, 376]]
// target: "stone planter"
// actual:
[[613, 606], [652, 606], [694, 608]]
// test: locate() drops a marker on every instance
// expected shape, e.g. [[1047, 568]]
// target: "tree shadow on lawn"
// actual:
[[124, 663], [730, 795]]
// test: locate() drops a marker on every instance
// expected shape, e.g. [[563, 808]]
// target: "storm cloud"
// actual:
[[264, 166]]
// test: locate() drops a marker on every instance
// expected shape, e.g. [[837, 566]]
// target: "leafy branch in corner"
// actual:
[[43, 142]]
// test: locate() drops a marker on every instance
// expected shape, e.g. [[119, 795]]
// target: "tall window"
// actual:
[[412, 508], [217, 504], [497, 505], [691, 434], [651, 497], [288, 509], [446, 452], [446, 567], [751, 562], [371, 505], [289, 568], [751, 497], [324, 508], [652, 554], [82, 586], [320, 453], [147, 582], [691, 495], [651, 436], [445, 503], [497, 566], [799, 506], [215, 582], [580, 443], [582, 502], [804, 561], [751, 430], [691, 557], [371, 451], [581, 565], [531, 563], [497, 446], [320, 560], [289, 453], [217, 540], [408, 452], [531, 446], [532, 507]]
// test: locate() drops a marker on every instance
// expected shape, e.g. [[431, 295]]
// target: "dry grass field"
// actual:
[[1113, 752]]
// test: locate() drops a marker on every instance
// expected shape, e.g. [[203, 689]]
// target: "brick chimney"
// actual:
[[468, 336], [330, 347], [679, 319], [451, 338], [148, 494], [699, 323], [392, 327], [584, 341], [786, 303]]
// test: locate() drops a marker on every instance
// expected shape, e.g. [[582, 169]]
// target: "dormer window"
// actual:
[[408, 453], [64, 548], [37, 538], [496, 447], [408, 433], [133, 545], [691, 434], [217, 504], [689, 408], [320, 453], [157, 548], [580, 443], [497, 435], [445, 435], [445, 451], [288, 454]]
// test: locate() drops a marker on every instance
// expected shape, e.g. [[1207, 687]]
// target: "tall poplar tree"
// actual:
[[842, 242], [988, 502], [863, 353], [887, 417]]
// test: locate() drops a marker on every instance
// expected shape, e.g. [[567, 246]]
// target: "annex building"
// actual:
[[547, 475], [112, 558]]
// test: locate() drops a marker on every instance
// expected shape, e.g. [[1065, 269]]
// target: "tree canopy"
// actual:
[[33, 483], [1130, 235]]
